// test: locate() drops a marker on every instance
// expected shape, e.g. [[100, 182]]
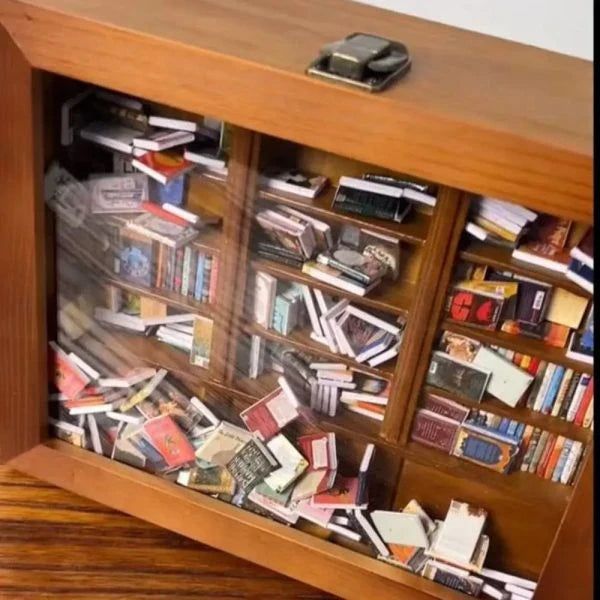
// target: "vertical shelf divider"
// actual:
[[446, 226], [241, 178]]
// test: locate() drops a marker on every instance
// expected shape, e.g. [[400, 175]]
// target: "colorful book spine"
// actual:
[[199, 276], [159, 262], [193, 272], [564, 409], [545, 456], [537, 455], [539, 399], [531, 449], [185, 274], [553, 388], [562, 392], [537, 383], [586, 401], [578, 397], [554, 456], [206, 279], [571, 463], [214, 276], [562, 459], [178, 270], [589, 415]]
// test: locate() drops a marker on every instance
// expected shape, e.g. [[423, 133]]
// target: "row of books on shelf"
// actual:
[[467, 368], [489, 298], [357, 261], [557, 391], [323, 386], [340, 326], [538, 239], [144, 419], [494, 442]]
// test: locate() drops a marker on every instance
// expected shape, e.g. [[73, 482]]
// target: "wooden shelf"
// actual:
[[519, 343], [170, 298], [301, 340], [519, 413], [522, 487], [412, 231], [345, 421], [152, 351], [389, 297], [501, 258]]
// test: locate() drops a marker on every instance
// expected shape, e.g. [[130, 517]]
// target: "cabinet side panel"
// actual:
[[22, 320], [569, 569]]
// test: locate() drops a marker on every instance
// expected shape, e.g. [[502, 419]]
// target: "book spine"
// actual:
[[185, 271], [589, 415], [562, 392], [562, 459], [545, 456], [552, 392], [571, 463], [553, 461], [531, 449], [587, 398], [537, 382], [535, 459], [193, 272], [214, 277], [206, 278], [577, 397], [539, 399], [199, 277], [336, 264], [564, 409], [177, 271], [290, 262], [157, 266]]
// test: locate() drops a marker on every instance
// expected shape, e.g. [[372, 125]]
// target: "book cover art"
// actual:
[[484, 450], [319, 449], [458, 377], [169, 440], [459, 346], [64, 374], [475, 308], [552, 230], [118, 193], [267, 417], [168, 164], [365, 268], [507, 289], [202, 341], [214, 480], [533, 301], [250, 465], [222, 444], [382, 248], [343, 494], [434, 430], [136, 258], [546, 255]]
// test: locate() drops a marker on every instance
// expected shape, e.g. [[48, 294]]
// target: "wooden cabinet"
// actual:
[[476, 115]]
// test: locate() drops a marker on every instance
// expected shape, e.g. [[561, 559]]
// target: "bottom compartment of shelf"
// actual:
[[294, 553]]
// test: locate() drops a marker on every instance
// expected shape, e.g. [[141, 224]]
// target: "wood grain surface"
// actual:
[[475, 112], [54, 544]]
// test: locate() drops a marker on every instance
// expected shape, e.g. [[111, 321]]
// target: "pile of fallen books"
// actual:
[[344, 328], [382, 196], [491, 298]]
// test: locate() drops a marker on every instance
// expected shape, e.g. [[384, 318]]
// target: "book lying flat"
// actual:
[[343, 494]]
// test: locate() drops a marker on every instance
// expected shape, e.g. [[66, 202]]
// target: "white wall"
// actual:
[[558, 25]]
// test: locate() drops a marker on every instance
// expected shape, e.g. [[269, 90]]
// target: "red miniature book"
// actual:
[[64, 374], [169, 440]]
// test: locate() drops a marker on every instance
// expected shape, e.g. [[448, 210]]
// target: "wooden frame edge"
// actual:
[[286, 550]]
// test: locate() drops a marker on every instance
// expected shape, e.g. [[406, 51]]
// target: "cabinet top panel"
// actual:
[[476, 112]]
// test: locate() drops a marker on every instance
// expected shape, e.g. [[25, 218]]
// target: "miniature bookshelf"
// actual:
[[534, 523]]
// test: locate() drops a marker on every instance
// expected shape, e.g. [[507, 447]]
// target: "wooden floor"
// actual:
[[56, 545]]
